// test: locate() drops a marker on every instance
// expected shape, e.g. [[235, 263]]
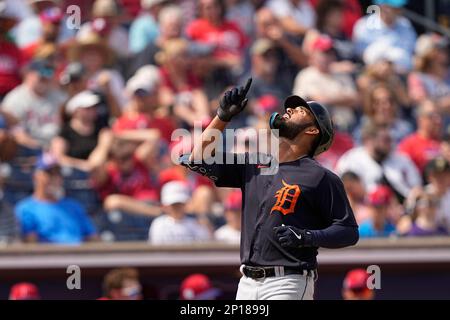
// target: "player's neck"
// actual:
[[290, 151]]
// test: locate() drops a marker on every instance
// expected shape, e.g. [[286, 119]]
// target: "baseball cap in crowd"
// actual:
[[198, 287], [234, 200], [356, 280], [46, 162], [392, 3], [84, 99], [24, 291], [44, 68], [267, 104], [174, 192], [261, 46], [72, 72], [380, 196], [144, 81], [437, 166], [322, 43], [51, 15], [427, 42]]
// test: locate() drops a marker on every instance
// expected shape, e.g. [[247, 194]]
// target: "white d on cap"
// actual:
[[174, 192], [84, 99]]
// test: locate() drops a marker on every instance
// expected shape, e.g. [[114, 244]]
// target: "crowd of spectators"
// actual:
[[87, 112]]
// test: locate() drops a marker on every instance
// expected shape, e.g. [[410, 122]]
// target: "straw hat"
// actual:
[[90, 39]]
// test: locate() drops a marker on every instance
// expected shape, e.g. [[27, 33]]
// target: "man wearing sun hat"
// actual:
[[390, 30], [108, 12]]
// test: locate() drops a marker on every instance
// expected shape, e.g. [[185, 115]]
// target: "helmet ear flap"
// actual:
[[272, 120]]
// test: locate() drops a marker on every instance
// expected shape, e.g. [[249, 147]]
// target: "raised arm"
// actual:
[[231, 104]]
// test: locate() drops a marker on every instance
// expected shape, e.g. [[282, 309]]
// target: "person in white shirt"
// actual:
[[34, 106], [296, 16], [175, 227], [231, 232], [375, 162]]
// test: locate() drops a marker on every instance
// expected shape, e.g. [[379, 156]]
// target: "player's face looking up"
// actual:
[[296, 121]]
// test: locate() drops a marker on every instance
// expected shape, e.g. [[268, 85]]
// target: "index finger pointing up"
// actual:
[[247, 87]]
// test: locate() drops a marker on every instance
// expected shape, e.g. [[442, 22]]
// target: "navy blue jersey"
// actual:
[[301, 193]]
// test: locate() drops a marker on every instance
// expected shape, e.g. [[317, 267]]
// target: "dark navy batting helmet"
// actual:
[[323, 121]]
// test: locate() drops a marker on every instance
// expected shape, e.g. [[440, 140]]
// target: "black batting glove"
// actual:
[[233, 102], [292, 237]]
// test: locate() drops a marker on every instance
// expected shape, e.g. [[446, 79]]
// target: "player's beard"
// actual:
[[288, 129]]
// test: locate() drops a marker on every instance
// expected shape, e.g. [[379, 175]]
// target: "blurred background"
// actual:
[[91, 92]]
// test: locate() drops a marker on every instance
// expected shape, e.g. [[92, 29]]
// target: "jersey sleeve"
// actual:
[[335, 209], [225, 169]]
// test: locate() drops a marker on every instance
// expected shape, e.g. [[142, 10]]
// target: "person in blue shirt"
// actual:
[[145, 29], [378, 224], [386, 32], [48, 216]]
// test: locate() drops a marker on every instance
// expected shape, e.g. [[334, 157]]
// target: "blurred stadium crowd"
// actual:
[[87, 113]]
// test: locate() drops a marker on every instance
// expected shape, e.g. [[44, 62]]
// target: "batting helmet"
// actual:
[[323, 120]]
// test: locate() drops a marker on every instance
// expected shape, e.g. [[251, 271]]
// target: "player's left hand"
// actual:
[[292, 237]]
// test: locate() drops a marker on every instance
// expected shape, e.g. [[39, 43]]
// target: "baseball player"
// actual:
[[288, 215]]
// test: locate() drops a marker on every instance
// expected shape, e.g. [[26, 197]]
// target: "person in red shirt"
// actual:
[[212, 29], [10, 56], [424, 144], [122, 175]]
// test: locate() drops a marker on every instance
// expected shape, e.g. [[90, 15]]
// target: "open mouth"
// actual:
[[286, 116]]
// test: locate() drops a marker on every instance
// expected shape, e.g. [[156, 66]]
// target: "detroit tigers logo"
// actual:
[[287, 197]]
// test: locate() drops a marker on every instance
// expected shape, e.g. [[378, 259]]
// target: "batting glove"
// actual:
[[292, 237], [233, 102]]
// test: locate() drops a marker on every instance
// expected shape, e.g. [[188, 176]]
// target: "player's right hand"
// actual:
[[233, 102]]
